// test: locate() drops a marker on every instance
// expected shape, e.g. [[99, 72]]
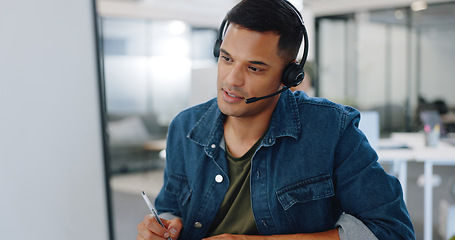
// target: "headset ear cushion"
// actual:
[[216, 48], [292, 75]]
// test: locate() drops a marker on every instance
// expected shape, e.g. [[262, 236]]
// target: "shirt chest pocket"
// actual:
[[178, 185], [311, 189]]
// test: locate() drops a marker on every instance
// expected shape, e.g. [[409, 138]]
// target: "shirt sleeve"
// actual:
[[168, 216], [364, 189], [349, 227]]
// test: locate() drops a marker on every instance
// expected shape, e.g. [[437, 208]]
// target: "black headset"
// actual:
[[293, 73]]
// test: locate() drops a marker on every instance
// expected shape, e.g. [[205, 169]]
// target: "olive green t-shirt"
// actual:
[[235, 215]]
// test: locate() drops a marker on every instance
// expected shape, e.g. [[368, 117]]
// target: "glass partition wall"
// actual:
[[148, 69], [391, 61]]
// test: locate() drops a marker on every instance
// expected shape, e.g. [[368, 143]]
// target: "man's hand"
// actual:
[[150, 229]]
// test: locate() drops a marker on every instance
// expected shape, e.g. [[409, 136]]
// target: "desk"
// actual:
[[442, 154], [155, 145], [156, 151]]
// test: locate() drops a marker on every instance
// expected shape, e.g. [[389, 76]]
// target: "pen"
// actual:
[[152, 209]]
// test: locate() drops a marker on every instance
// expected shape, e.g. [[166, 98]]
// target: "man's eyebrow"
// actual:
[[259, 63], [252, 62], [225, 52]]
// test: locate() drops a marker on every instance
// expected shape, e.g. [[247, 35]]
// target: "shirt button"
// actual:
[[219, 178], [213, 146], [198, 225]]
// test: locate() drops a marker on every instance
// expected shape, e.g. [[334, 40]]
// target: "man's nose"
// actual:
[[236, 76]]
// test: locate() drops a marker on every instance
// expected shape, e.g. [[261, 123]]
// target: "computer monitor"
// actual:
[[369, 125]]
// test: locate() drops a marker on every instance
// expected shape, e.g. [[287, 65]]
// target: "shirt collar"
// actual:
[[285, 122]]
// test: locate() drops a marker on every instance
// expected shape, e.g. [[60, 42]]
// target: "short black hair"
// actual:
[[271, 16]]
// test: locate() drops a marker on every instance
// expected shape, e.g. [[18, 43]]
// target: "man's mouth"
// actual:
[[231, 95]]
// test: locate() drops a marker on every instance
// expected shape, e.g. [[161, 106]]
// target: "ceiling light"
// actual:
[[418, 6], [177, 27]]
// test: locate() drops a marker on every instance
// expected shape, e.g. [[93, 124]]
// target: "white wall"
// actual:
[[202, 13], [203, 84], [335, 7], [52, 183]]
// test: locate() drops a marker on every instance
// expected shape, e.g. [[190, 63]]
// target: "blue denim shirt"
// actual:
[[313, 165]]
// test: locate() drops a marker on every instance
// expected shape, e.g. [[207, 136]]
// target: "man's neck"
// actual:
[[242, 133]]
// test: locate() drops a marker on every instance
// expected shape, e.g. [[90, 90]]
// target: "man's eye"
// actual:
[[227, 59], [254, 69]]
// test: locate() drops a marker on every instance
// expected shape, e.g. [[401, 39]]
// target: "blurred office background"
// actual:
[[391, 57]]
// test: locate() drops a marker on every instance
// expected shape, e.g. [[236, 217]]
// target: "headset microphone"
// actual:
[[254, 99]]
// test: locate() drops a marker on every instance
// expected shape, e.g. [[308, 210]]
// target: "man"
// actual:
[[284, 167]]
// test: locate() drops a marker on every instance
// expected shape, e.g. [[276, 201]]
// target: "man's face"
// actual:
[[248, 67]]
